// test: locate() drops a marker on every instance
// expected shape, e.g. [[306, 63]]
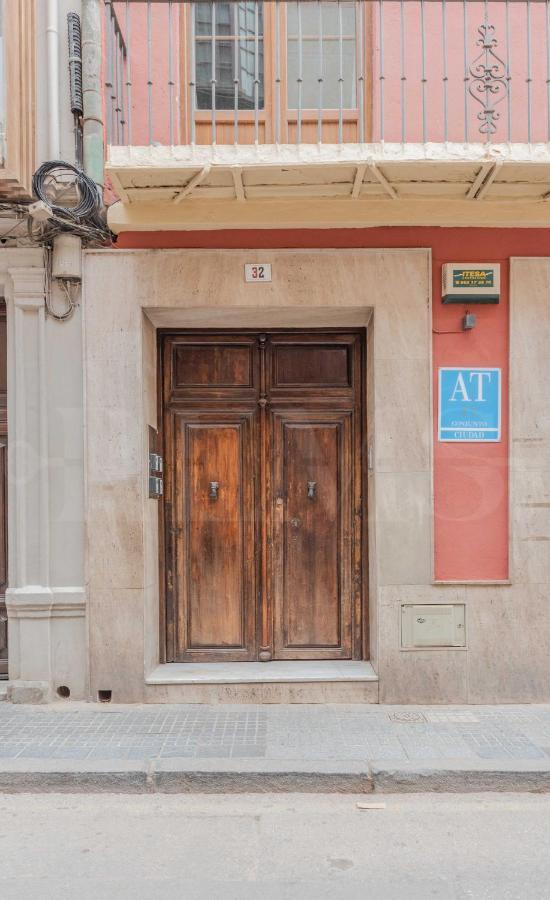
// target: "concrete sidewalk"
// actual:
[[225, 748]]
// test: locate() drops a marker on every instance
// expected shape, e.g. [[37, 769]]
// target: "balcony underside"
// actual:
[[349, 185]]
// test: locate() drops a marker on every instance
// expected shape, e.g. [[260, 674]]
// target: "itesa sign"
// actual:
[[469, 405], [471, 283]]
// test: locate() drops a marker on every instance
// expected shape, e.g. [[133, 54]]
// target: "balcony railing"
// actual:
[[402, 71]]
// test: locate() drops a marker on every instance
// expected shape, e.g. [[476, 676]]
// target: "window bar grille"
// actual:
[[119, 80], [192, 83], [340, 76], [529, 78], [114, 69], [509, 70], [519, 19], [466, 69], [128, 30], [445, 73], [112, 39], [256, 75], [150, 71], [320, 77], [116, 109], [424, 79], [213, 79], [300, 75], [403, 77], [121, 88], [547, 21], [170, 74], [114, 45], [361, 79], [124, 99], [381, 77], [486, 23], [109, 78], [236, 83], [277, 72]]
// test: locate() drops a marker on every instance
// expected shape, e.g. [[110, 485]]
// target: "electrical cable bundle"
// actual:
[[85, 217]]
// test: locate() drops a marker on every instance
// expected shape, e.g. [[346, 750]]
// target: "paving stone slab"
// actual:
[[192, 747]]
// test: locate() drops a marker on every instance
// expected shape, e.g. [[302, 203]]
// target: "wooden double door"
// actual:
[[263, 504]]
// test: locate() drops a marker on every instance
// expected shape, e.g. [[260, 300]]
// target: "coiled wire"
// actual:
[[87, 212]]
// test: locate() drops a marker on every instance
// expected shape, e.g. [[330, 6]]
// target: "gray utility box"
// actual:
[[432, 625]]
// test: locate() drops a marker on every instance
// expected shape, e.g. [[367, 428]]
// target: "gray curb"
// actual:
[[461, 777], [182, 776], [214, 776]]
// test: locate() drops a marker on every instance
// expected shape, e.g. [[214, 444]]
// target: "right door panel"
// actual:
[[312, 534]]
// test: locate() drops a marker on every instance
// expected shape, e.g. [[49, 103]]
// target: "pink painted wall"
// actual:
[[513, 31], [470, 480], [513, 39], [132, 19]]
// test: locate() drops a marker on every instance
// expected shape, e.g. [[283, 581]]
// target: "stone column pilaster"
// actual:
[[47, 637]]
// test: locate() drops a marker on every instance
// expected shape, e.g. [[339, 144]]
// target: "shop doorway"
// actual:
[[264, 506]]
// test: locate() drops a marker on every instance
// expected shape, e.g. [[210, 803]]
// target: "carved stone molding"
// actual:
[[46, 603]]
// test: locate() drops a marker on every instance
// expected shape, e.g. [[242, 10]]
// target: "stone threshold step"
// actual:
[[277, 671], [215, 776]]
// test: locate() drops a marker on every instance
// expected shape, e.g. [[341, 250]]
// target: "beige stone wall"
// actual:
[[45, 600], [130, 293]]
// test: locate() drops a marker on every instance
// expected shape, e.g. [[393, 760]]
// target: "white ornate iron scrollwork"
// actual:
[[489, 84]]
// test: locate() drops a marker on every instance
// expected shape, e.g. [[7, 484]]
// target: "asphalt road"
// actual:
[[114, 847]]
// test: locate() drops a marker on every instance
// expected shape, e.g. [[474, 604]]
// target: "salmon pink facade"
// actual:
[[371, 137]]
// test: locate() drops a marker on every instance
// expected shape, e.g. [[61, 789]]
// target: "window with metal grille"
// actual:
[[229, 55], [2, 88], [321, 55]]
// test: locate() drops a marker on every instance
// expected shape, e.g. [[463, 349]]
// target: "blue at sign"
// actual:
[[469, 405]]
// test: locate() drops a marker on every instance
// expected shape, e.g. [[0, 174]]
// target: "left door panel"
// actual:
[[214, 532]]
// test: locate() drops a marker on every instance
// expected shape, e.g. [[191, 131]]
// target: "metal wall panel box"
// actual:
[[471, 283], [432, 625], [156, 466]]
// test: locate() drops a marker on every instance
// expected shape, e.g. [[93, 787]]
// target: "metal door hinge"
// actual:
[[156, 487], [155, 463]]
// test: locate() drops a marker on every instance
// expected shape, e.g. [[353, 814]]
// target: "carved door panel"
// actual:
[[315, 403], [312, 527], [215, 541], [211, 409]]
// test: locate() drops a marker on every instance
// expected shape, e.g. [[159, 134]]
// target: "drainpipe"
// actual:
[[52, 52], [91, 88]]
